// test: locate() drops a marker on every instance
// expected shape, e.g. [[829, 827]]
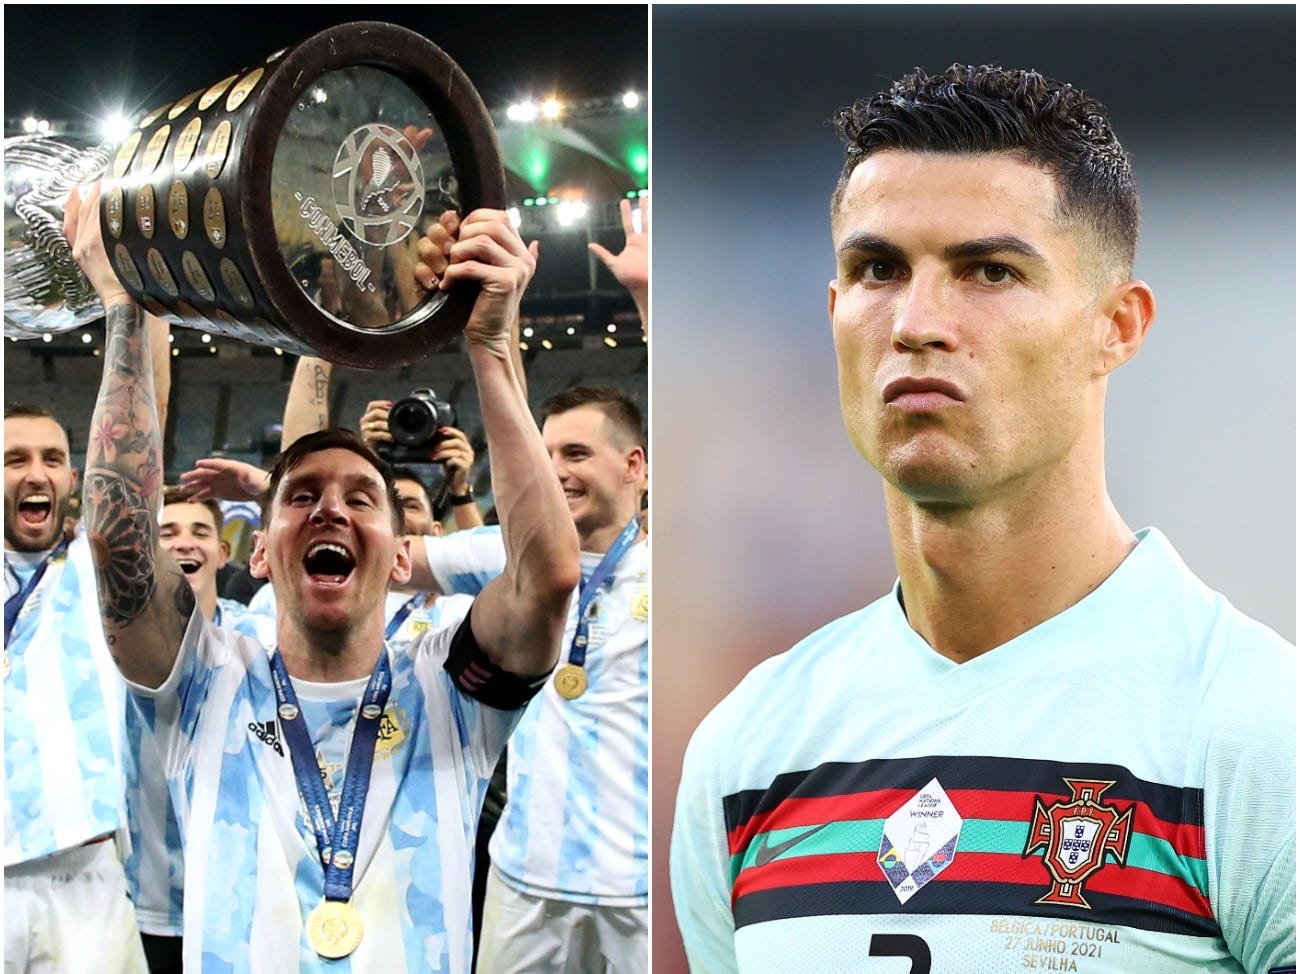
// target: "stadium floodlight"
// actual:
[[611, 342], [115, 127], [611, 327], [570, 330], [86, 339], [631, 99], [524, 111], [30, 124], [551, 108], [528, 333], [570, 212], [205, 338], [516, 220], [546, 344]]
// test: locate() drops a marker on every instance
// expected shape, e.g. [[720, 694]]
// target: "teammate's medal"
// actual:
[[571, 678], [334, 929], [570, 681]]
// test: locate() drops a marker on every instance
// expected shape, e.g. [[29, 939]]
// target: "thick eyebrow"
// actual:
[[992, 246], [869, 243], [356, 481]]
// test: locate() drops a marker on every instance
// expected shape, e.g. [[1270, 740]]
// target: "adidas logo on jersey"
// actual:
[[266, 733]]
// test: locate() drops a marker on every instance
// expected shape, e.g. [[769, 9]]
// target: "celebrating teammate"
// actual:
[[1050, 745]]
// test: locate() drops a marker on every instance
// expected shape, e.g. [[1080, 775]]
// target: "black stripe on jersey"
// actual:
[[1181, 806], [949, 898]]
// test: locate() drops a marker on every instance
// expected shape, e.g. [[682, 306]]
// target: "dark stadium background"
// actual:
[[73, 70]]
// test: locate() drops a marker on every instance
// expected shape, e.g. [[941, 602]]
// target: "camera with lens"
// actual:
[[415, 423]]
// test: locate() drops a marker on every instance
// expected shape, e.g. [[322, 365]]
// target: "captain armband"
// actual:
[[480, 678]]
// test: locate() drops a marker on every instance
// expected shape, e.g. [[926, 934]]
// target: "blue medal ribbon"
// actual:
[[14, 604], [395, 623], [336, 839], [578, 650]]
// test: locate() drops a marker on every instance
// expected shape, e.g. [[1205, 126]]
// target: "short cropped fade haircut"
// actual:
[[1023, 114], [331, 439], [617, 406]]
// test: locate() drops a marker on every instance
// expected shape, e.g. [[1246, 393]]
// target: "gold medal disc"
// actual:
[[571, 681], [334, 929]]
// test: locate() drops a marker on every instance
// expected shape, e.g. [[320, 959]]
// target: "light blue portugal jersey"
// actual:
[[252, 869], [64, 702], [1111, 792], [155, 868], [576, 821]]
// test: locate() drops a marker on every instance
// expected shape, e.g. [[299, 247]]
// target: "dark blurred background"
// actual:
[[767, 522]]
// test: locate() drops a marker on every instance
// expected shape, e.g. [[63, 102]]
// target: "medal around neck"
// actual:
[[280, 206], [571, 681], [334, 929]]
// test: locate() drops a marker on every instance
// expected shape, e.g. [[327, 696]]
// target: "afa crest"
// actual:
[[392, 731], [1075, 838], [641, 605]]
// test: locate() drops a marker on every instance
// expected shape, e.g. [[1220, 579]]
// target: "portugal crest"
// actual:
[[1075, 838]]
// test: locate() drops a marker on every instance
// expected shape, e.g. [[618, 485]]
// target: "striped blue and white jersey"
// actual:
[[576, 822], [252, 868], [155, 868], [1111, 792], [64, 704]]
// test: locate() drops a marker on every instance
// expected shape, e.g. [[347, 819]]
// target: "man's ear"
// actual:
[[401, 573], [225, 553], [634, 465], [1128, 312], [258, 566]]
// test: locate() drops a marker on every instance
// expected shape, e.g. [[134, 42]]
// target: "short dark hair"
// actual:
[[617, 406], [408, 473], [337, 438], [27, 410], [176, 495], [991, 109]]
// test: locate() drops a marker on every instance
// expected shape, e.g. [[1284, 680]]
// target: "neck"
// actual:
[[975, 578], [207, 600], [330, 656], [600, 539]]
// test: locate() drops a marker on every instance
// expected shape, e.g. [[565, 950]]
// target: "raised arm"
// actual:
[[307, 408], [144, 597], [631, 265], [518, 619]]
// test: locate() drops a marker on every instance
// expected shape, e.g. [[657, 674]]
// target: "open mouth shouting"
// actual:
[[329, 563], [35, 511], [188, 565]]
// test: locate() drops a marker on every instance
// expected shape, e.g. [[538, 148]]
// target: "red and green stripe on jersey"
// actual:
[[810, 844]]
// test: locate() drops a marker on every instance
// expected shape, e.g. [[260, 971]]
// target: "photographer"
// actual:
[[426, 421]]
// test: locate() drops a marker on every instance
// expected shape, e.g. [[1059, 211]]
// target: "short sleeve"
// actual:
[[1250, 815], [698, 864], [465, 561]]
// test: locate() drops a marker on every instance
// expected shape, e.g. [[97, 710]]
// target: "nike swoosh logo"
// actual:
[[766, 853]]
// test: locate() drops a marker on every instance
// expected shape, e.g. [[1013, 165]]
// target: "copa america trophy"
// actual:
[[279, 206]]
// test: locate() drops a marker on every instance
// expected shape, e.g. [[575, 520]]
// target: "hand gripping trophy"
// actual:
[[281, 205]]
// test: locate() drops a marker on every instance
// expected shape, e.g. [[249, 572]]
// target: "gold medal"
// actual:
[[571, 681], [334, 929]]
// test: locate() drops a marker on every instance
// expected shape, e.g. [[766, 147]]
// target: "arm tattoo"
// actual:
[[320, 395], [124, 549], [124, 472]]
